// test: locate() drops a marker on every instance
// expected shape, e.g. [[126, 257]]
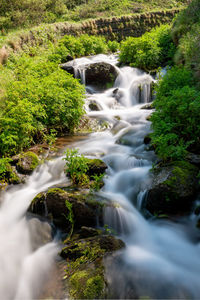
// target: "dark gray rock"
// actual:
[[174, 188]]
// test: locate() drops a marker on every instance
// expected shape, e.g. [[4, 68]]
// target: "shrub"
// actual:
[[175, 122], [149, 51], [78, 46], [77, 167], [39, 97]]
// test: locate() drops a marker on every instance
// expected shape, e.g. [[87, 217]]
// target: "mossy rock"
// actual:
[[87, 284], [96, 167], [55, 205], [174, 188], [85, 271], [9, 176], [27, 163], [97, 246]]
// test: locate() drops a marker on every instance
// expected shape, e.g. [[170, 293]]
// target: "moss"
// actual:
[[87, 284], [34, 159], [9, 176], [182, 171], [55, 191], [37, 205], [27, 162], [94, 287]]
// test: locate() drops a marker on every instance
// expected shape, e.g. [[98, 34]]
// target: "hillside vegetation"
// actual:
[[26, 13], [176, 120]]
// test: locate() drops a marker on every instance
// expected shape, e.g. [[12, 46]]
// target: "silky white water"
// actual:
[[161, 259]]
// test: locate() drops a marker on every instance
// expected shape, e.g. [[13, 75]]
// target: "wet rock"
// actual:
[[101, 74], [94, 106], [96, 167], [86, 276], [147, 106], [27, 163], [105, 244], [118, 94], [147, 139], [86, 232], [59, 206], [68, 67], [174, 187]]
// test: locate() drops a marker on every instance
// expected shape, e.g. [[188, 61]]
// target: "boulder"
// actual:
[[96, 167], [105, 243], [27, 163], [147, 106], [85, 270], [94, 106], [174, 187], [100, 74], [67, 209]]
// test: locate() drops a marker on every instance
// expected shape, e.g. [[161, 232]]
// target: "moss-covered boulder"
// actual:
[[96, 167], [67, 209], [85, 270], [173, 189], [27, 163]]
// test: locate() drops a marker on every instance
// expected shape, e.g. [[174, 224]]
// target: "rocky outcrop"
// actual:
[[67, 209], [26, 162], [100, 74], [173, 189], [85, 270]]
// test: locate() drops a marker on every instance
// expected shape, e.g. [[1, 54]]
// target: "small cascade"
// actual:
[[24, 266], [161, 258]]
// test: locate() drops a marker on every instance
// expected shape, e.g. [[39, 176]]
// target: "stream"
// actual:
[[161, 258]]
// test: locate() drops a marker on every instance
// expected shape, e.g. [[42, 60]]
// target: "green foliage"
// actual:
[[113, 46], [175, 122], [79, 46], [94, 287], [107, 8], [186, 19], [185, 32], [70, 216], [4, 163], [7, 175], [77, 167], [148, 52], [97, 182], [39, 98], [14, 13]]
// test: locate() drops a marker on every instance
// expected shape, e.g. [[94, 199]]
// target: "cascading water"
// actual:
[[161, 259]]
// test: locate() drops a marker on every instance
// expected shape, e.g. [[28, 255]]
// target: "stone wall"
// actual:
[[133, 25], [113, 28]]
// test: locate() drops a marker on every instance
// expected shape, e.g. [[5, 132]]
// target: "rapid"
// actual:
[[161, 258]]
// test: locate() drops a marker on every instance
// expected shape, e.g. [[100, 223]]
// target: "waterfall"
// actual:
[[161, 259]]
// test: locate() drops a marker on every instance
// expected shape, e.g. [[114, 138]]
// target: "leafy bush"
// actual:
[[80, 46], [39, 97], [175, 122], [77, 167], [153, 49], [113, 46], [185, 20]]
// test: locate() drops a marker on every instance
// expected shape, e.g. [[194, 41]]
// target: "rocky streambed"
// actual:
[[73, 241]]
